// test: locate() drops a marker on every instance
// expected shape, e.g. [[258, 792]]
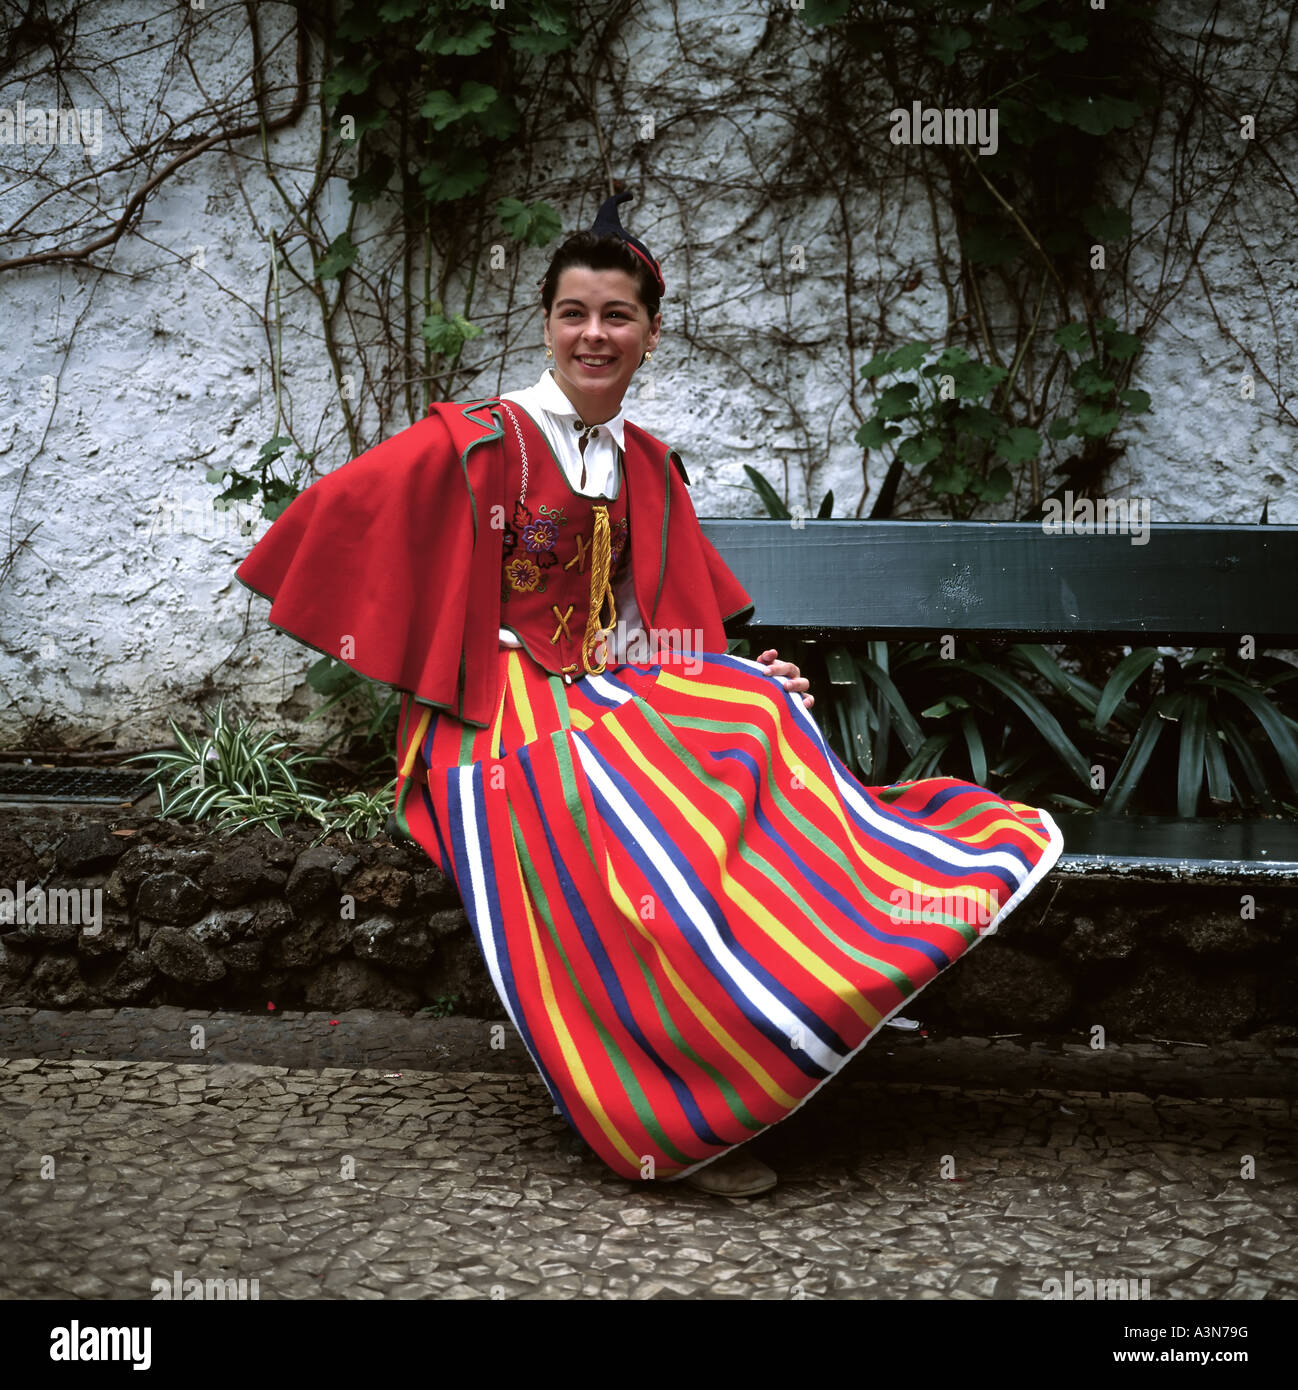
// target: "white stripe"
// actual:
[[686, 900], [481, 916], [917, 837], [601, 685]]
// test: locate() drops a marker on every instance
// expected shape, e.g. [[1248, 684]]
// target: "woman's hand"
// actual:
[[793, 680]]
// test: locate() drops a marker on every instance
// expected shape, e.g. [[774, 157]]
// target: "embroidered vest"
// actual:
[[563, 553]]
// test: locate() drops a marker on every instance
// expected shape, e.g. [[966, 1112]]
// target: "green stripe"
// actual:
[[577, 813], [808, 830], [965, 929], [558, 693], [634, 1091]]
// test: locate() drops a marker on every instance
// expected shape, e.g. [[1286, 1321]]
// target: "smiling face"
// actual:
[[598, 330]]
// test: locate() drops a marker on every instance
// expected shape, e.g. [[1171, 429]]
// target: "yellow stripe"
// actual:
[[522, 706], [580, 720], [493, 748], [696, 1006], [839, 984], [828, 797], [580, 1076], [412, 750]]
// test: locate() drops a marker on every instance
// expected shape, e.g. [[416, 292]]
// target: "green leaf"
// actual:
[[895, 402], [977, 753], [945, 44], [973, 380], [1121, 346], [1214, 755], [1095, 422], [448, 336], [1074, 687], [443, 109], [500, 120], [1073, 337], [372, 180], [1248, 760], [1273, 723], [346, 79], [874, 434], [1089, 381], [909, 731], [774, 503], [877, 365], [947, 478], [919, 448], [993, 487], [472, 40], [907, 357], [944, 707], [272, 449], [1124, 674], [1099, 115], [393, 11], [826, 509], [539, 43], [859, 718], [1063, 37], [339, 257], [1107, 224], [819, 12], [537, 225], [1136, 401], [1190, 756], [445, 182], [1020, 445], [1046, 724], [1133, 765]]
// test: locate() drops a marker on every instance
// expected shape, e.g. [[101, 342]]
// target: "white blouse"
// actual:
[[562, 424]]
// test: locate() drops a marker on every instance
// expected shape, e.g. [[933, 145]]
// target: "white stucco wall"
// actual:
[[124, 380]]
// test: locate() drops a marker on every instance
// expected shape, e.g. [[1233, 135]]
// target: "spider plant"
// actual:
[[236, 779]]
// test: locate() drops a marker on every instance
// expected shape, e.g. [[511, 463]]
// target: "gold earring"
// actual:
[[549, 353], [648, 357]]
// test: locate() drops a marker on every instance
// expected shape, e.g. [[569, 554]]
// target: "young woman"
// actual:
[[691, 910]]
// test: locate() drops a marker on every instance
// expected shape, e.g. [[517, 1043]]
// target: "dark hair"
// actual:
[[600, 253]]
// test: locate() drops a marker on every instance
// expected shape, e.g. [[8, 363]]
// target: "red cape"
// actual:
[[391, 563]]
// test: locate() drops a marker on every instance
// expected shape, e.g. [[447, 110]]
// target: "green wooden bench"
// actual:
[[1185, 585]]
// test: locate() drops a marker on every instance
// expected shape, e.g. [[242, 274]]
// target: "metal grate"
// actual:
[[106, 784]]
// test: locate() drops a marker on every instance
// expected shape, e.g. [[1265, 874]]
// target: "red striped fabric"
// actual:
[[693, 913]]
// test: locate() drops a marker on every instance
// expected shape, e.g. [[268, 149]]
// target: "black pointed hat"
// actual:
[[608, 223]]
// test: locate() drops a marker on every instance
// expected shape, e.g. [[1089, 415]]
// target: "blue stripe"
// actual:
[[717, 916], [608, 974], [495, 922]]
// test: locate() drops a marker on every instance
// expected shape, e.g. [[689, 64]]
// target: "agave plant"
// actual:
[[1210, 697], [981, 709]]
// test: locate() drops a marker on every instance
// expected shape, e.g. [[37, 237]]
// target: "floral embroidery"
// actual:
[[522, 571], [542, 534], [617, 541], [524, 575]]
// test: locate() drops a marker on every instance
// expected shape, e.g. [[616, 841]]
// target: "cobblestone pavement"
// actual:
[[390, 1180]]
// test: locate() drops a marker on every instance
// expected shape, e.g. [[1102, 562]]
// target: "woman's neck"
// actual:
[[591, 412]]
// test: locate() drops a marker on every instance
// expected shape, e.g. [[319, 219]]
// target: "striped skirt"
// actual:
[[693, 913]]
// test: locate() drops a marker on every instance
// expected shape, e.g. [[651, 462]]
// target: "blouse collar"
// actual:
[[550, 396]]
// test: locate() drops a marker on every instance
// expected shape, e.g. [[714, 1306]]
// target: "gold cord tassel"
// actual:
[[600, 591]]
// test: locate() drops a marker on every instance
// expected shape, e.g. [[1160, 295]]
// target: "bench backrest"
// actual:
[[1179, 584]]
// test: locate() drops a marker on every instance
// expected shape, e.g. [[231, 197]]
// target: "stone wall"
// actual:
[[193, 918], [123, 606]]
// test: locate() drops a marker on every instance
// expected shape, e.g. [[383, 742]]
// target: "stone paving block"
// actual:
[[860, 1211]]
